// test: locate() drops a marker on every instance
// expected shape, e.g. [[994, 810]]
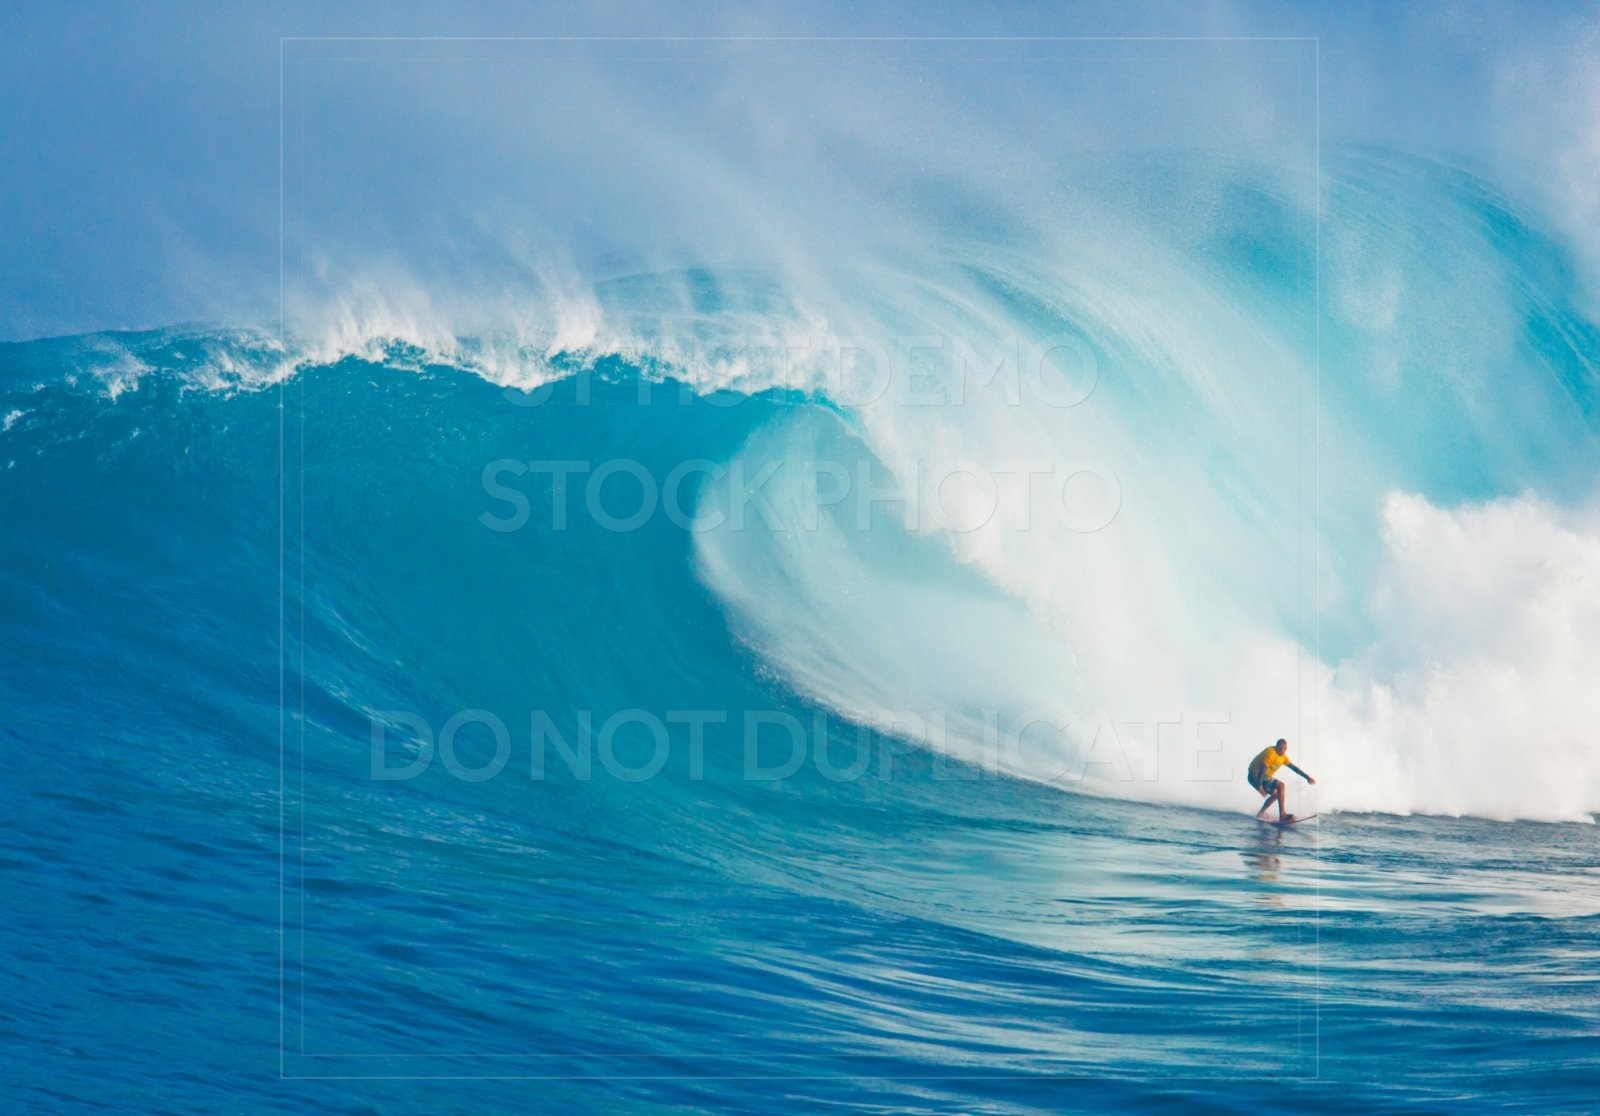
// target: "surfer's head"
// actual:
[[1282, 746]]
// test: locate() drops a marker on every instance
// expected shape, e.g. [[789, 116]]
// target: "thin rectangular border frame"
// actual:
[[283, 338]]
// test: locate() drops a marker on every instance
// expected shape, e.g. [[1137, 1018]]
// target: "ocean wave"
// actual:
[[1365, 532]]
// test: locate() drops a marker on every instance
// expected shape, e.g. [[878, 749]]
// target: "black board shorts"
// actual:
[[1263, 786]]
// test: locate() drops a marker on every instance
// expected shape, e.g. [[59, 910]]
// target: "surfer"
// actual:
[[1261, 776]]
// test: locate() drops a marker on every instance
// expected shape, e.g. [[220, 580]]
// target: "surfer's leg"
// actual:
[[1265, 802]]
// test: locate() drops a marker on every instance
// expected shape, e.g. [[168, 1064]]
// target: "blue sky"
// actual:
[[140, 171]]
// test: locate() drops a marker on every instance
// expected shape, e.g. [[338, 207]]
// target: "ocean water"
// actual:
[[294, 633]]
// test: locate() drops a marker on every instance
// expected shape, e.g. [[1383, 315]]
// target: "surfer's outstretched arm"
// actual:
[[1300, 773]]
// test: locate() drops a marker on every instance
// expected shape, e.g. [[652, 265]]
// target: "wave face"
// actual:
[[1374, 532]]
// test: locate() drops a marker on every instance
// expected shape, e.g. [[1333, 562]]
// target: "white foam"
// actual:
[[1478, 695]]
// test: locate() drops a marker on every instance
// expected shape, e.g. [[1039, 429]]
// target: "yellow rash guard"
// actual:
[[1265, 766]]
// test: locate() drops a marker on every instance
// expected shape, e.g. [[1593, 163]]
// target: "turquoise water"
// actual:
[[215, 908], [732, 558]]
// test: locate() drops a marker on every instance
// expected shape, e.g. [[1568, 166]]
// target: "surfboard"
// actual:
[[1285, 821]]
